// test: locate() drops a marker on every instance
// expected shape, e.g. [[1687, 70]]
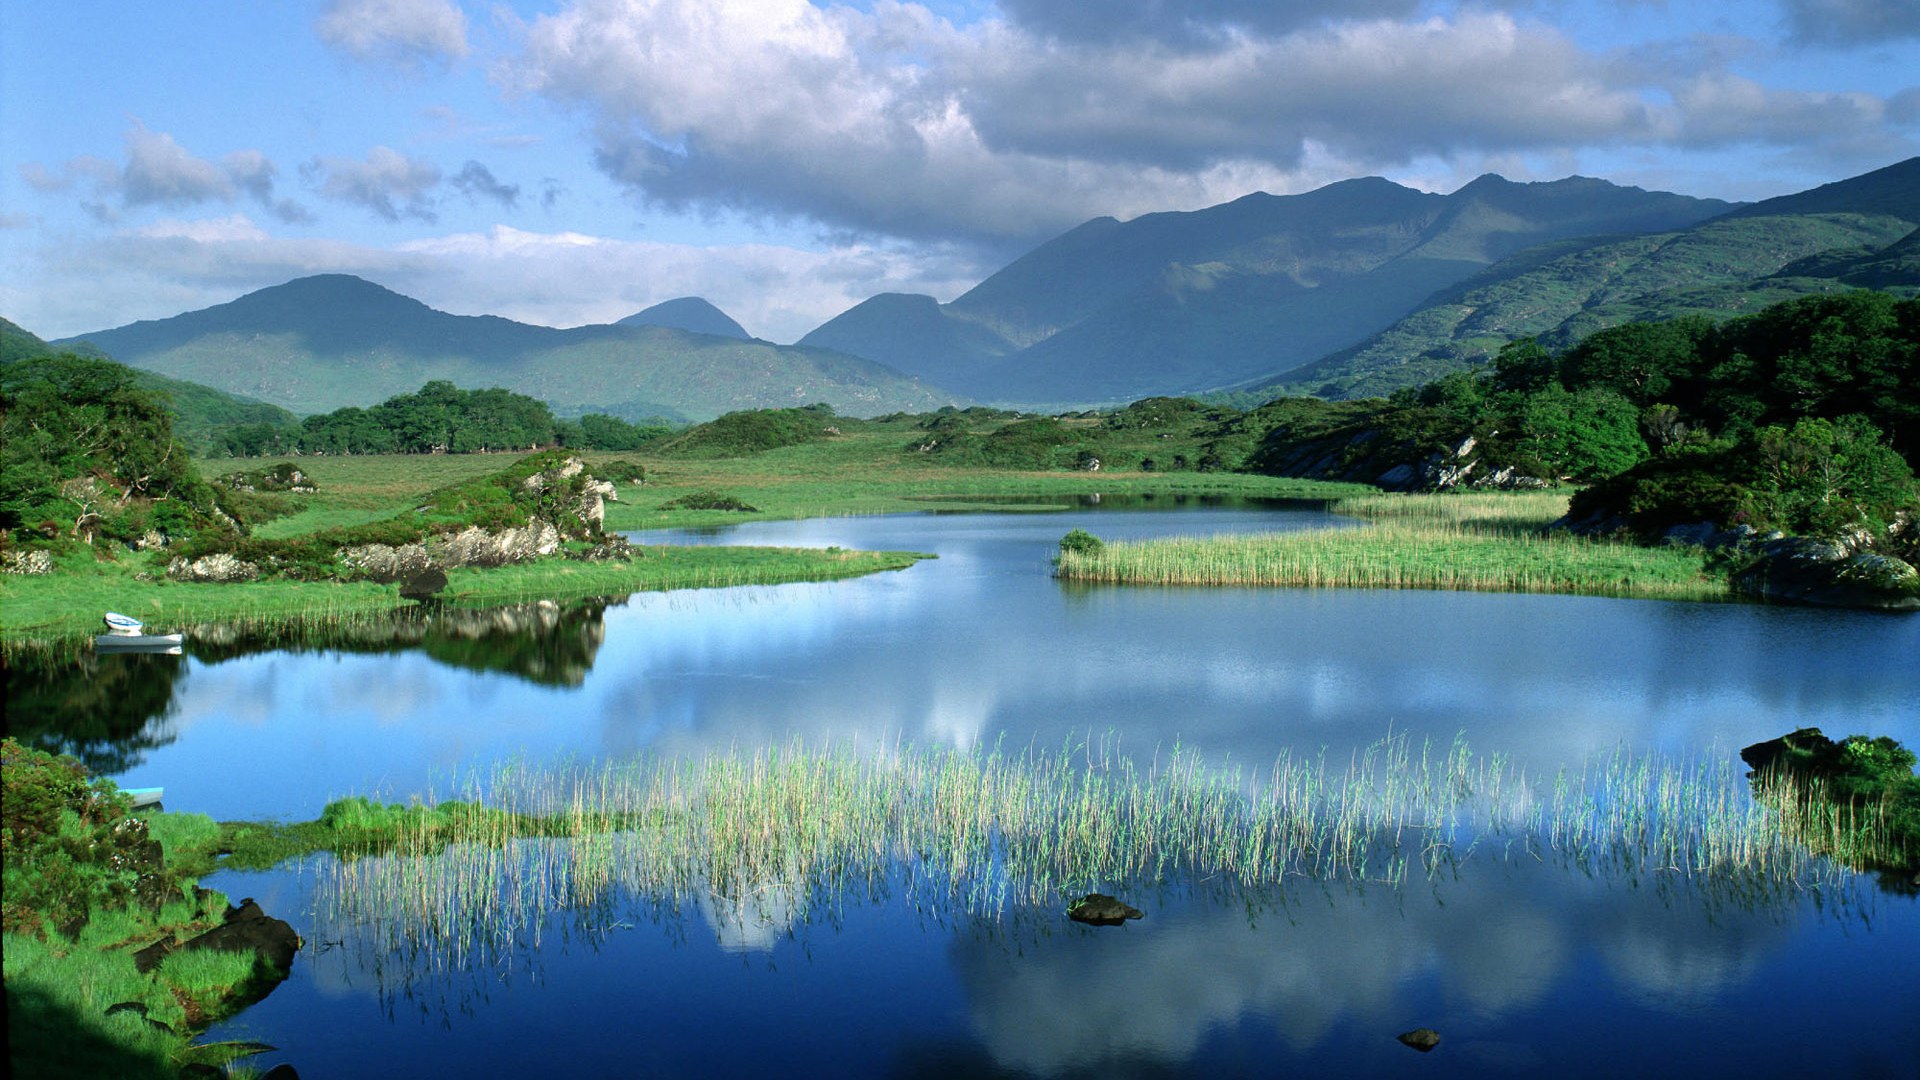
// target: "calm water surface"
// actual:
[[1526, 969]]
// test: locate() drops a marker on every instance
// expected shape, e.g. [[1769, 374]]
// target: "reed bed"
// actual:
[[767, 835], [1477, 542]]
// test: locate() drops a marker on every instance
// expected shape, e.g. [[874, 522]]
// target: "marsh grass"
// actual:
[[1494, 542], [764, 834]]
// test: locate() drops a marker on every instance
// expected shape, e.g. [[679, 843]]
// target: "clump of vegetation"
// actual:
[[1870, 781], [86, 454], [621, 471], [438, 418], [753, 431], [601, 431], [708, 500], [1082, 542], [87, 882]]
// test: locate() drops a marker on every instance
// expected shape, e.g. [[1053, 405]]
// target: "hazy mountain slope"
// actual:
[[912, 334], [1852, 233], [690, 313], [198, 411], [1182, 302], [317, 344], [1724, 268]]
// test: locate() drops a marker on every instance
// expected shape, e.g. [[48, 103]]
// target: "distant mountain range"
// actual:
[[1355, 289], [1183, 302], [320, 343]]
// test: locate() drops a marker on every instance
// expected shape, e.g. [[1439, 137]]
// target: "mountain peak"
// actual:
[[690, 313]]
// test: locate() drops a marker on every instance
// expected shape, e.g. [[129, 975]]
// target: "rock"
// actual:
[[1830, 573], [26, 562], [424, 584], [246, 929], [1421, 1039], [219, 568], [1396, 478], [1098, 909]]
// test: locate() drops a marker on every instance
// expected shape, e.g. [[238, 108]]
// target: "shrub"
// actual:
[[708, 500], [1082, 542]]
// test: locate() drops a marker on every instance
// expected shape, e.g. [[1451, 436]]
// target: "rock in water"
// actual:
[[1421, 1039], [424, 585], [1098, 909]]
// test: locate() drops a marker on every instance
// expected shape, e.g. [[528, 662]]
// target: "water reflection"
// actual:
[[107, 710], [1496, 953], [110, 709]]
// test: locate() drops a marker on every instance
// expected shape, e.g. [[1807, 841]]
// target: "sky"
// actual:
[[575, 161]]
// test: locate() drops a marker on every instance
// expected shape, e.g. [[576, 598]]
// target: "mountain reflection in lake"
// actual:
[[1523, 969]]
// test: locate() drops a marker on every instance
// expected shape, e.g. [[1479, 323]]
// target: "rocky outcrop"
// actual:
[[219, 567], [1828, 573], [26, 562], [246, 929], [1367, 457]]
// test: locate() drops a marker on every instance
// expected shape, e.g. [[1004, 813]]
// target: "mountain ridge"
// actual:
[[327, 341]]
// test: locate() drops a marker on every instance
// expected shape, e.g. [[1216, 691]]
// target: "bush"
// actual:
[[1082, 542], [708, 500]]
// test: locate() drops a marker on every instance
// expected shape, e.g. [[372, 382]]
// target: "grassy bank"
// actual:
[[1487, 542], [760, 833], [69, 602], [88, 883]]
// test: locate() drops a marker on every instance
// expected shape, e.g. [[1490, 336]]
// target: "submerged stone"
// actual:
[[1098, 909], [1421, 1039]]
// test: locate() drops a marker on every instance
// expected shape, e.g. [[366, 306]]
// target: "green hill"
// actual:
[[200, 413], [321, 343], [1855, 233]]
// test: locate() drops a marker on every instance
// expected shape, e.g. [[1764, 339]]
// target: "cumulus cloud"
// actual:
[[895, 122], [1851, 22], [159, 172], [389, 183], [409, 34], [476, 181]]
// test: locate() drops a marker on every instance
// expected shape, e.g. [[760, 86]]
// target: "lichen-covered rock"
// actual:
[[384, 563], [26, 562], [474, 546], [219, 568], [1830, 573]]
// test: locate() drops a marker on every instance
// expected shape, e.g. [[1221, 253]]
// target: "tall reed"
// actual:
[[766, 832]]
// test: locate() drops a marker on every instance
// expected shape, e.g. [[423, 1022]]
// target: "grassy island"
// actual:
[[1467, 541]]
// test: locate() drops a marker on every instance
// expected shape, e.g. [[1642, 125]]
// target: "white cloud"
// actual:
[[895, 122], [159, 172], [409, 34], [389, 183]]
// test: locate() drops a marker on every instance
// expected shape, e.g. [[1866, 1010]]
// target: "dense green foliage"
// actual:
[[439, 418], [1800, 418], [599, 431], [1561, 294], [753, 431], [84, 451]]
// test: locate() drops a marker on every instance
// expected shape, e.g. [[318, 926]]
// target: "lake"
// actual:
[[1524, 965]]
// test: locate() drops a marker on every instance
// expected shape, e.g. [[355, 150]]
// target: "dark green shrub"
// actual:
[[708, 500], [1082, 542]]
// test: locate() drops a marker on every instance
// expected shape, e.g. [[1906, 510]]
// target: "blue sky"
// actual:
[[572, 162]]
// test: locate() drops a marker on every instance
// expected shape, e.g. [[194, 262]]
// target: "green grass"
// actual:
[[69, 603], [985, 833], [1482, 542]]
